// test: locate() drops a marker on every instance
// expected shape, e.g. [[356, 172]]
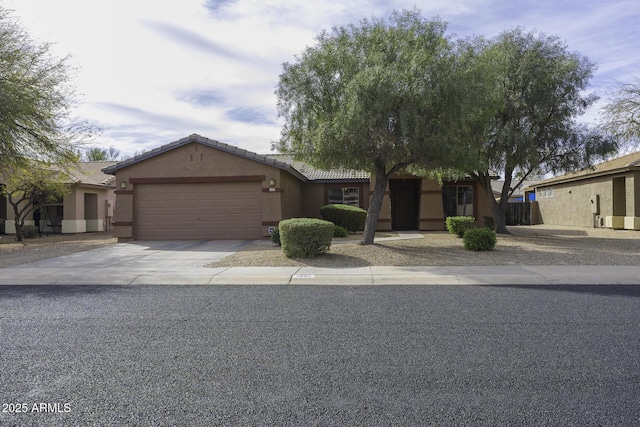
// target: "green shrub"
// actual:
[[340, 231], [275, 236], [346, 216], [459, 224], [479, 239], [305, 237], [489, 223], [29, 231]]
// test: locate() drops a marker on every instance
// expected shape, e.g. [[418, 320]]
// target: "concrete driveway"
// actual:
[[127, 263]]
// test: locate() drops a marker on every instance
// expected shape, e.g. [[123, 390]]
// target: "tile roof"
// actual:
[[301, 170], [91, 173], [314, 174], [261, 158], [612, 166]]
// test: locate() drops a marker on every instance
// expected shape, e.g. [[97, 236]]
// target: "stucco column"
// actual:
[[73, 211], [271, 207], [123, 215], [384, 219], [632, 217], [431, 210]]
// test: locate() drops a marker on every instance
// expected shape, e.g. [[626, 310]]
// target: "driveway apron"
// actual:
[[125, 263]]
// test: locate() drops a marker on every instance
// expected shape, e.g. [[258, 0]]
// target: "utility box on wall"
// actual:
[[595, 204]]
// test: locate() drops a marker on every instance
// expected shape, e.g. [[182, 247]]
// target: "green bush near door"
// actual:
[[459, 224], [349, 217]]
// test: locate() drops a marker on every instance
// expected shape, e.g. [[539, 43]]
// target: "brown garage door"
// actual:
[[198, 211]]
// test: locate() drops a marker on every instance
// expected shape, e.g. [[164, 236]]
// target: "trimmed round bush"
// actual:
[[479, 239], [305, 237], [459, 224], [275, 236], [349, 217], [340, 231]]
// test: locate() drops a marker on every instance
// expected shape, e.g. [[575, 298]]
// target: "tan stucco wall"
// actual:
[[312, 197], [291, 196], [84, 212], [633, 193], [75, 220], [482, 204], [197, 160], [571, 202], [431, 211]]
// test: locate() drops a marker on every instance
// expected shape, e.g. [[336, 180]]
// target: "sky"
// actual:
[[151, 72]]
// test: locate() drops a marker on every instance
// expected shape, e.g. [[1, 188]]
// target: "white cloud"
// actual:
[[152, 72]]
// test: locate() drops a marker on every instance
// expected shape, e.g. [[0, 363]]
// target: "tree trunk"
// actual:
[[375, 205], [500, 217], [498, 210], [18, 231], [18, 215]]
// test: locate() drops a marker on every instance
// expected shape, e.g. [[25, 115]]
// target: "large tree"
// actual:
[[36, 100], [622, 112], [372, 97], [525, 92]]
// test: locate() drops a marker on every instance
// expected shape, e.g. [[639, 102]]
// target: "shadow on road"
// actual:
[[57, 291], [605, 290]]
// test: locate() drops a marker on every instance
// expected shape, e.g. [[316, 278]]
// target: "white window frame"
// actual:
[[348, 196]]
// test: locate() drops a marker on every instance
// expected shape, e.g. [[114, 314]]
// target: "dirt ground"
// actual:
[[526, 245], [30, 250]]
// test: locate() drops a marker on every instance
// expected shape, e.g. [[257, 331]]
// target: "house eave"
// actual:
[[560, 180], [339, 181], [260, 158]]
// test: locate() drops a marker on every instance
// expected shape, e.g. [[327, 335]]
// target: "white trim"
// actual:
[[10, 225], [74, 226], [631, 223]]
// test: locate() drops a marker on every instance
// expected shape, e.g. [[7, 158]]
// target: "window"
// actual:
[[345, 196], [458, 200], [545, 192]]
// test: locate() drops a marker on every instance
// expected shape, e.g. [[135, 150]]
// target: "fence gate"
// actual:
[[519, 213]]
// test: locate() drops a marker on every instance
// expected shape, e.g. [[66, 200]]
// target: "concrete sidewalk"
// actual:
[[508, 275], [183, 263]]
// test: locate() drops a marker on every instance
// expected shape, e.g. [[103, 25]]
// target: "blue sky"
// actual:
[[151, 72]]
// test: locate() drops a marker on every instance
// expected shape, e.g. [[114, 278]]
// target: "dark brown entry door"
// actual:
[[405, 194]]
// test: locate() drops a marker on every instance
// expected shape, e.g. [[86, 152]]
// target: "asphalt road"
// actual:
[[315, 355]]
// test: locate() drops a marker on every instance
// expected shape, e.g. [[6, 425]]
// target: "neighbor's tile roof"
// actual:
[[314, 174], [612, 166], [91, 173]]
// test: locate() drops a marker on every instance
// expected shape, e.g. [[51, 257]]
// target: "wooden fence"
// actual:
[[519, 213]]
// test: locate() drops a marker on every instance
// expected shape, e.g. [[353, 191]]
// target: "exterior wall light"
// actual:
[[272, 182], [123, 185]]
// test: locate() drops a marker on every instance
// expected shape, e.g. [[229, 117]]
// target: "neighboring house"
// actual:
[[88, 207], [607, 195], [517, 196], [198, 188]]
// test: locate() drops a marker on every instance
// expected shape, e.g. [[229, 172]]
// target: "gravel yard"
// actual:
[[30, 250], [526, 245]]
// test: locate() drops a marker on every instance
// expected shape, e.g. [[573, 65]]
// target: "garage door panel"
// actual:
[[198, 211]]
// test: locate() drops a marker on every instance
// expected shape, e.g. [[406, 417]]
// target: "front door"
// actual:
[[405, 194]]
